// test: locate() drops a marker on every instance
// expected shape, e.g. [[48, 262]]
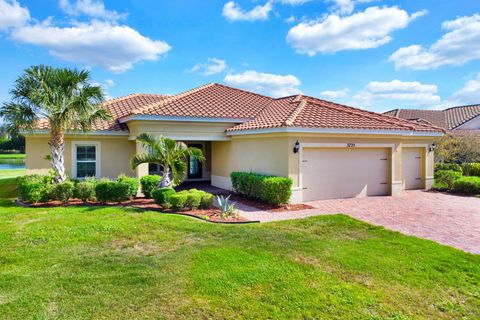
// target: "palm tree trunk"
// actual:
[[57, 153], [166, 182]]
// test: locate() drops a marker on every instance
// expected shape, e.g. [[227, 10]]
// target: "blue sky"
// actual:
[[377, 55]]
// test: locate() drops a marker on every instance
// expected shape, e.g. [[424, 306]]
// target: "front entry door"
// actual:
[[194, 166]]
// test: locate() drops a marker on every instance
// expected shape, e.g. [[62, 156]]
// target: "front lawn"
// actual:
[[117, 263]]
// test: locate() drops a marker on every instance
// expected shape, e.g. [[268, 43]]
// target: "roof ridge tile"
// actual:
[[291, 118]]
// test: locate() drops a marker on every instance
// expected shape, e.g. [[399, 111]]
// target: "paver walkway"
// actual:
[[447, 219]]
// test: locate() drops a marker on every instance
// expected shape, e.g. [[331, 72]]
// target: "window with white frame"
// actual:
[[85, 160]]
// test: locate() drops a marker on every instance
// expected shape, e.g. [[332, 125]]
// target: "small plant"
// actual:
[[207, 200], [149, 184], [104, 190], [227, 209], [132, 184], [194, 199], [64, 191], [162, 196], [178, 201], [85, 191]]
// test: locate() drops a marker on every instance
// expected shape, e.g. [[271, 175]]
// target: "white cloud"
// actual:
[[12, 14], [398, 93], [334, 94], [112, 47], [363, 30], [270, 84], [458, 46], [290, 19], [469, 94], [108, 83], [232, 11], [344, 6], [211, 67], [293, 2], [91, 8]]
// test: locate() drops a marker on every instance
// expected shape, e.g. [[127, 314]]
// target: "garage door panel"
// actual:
[[344, 173], [412, 168]]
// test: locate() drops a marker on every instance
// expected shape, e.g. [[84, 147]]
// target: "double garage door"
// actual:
[[332, 173]]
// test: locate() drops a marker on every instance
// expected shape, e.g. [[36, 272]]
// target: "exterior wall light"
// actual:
[[433, 146], [296, 147]]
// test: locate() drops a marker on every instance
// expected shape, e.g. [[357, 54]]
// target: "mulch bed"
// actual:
[[210, 215], [265, 206]]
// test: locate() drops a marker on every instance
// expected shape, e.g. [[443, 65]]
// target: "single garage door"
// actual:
[[412, 168], [331, 173]]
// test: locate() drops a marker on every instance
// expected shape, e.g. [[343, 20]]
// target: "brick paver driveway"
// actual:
[[448, 219]]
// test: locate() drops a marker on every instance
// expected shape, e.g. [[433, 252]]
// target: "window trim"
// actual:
[[98, 158]]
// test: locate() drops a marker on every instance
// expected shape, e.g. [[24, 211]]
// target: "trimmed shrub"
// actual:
[[468, 185], [132, 183], [35, 188], [277, 190], [446, 178], [104, 190], [471, 169], [178, 200], [271, 189], [149, 184], [448, 166], [64, 191], [194, 199], [162, 196], [120, 191], [85, 191], [207, 200]]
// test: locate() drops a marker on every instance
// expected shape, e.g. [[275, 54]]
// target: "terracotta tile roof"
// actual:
[[449, 119], [253, 111], [309, 112], [212, 100]]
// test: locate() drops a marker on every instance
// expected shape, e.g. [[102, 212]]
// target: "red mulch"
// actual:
[[267, 207], [211, 215]]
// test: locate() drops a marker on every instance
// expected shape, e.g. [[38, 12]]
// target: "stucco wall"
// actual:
[[116, 153]]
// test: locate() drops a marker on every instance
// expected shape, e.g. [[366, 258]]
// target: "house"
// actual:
[[329, 150], [457, 120]]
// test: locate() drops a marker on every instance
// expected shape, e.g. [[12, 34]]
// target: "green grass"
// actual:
[[99, 263], [12, 156]]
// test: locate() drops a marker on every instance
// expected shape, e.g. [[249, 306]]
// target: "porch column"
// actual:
[[141, 170]]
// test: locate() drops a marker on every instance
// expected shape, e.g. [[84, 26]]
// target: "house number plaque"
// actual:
[[350, 145]]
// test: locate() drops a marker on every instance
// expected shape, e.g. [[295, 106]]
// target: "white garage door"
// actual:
[[344, 173], [412, 168]]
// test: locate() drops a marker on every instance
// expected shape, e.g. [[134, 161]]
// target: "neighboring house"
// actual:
[[458, 120], [329, 150]]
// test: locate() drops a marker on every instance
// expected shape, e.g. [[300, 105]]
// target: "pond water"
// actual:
[[6, 164]]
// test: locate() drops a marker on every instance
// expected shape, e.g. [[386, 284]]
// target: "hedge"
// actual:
[[85, 190], [178, 200], [448, 166], [149, 184], [468, 185], [64, 191], [162, 196], [35, 188], [271, 189], [471, 169], [446, 178], [110, 191], [132, 184]]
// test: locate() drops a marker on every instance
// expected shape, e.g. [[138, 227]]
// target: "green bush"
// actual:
[[446, 178], [120, 191], [162, 196], [207, 200], [85, 190], [149, 184], [64, 191], [448, 166], [194, 199], [132, 182], [471, 169], [103, 190], [468, 185], [35, 188], [178, 200], [271, 189]]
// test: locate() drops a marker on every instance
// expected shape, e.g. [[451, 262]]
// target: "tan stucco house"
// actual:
[[329, 150]]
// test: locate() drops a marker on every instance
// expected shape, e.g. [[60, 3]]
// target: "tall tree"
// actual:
[[171, 155], [62, 97]]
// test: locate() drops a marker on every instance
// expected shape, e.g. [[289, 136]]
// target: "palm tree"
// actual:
[[62, 97], [171, 155]]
